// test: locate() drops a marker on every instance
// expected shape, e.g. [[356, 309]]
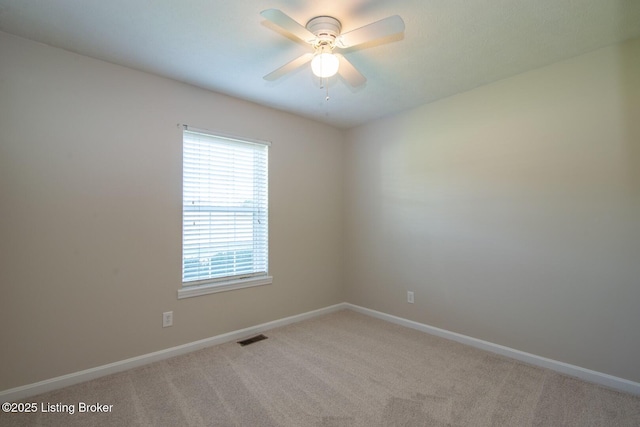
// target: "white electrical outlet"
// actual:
[[167, 319], [410, 297]]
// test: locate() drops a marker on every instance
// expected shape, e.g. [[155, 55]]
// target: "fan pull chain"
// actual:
[[324, 84]]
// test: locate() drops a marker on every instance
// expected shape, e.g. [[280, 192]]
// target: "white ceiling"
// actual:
[[449, 46]]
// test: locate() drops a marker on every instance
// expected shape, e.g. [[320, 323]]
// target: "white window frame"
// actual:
[[226, 283]]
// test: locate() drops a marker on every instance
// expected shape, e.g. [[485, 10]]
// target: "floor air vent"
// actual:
[[252, 340]]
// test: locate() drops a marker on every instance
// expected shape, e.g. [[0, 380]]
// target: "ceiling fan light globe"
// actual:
[[324, 65]]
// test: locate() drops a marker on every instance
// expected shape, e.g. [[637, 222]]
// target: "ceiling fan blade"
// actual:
[[287, 23], [376, 30], [349, 72], [289, 66]]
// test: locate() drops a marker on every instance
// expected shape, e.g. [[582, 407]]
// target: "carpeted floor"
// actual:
[[343, 369]]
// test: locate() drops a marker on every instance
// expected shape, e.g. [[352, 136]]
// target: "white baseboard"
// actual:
[[564, 368], [45, 386], [111, 368]]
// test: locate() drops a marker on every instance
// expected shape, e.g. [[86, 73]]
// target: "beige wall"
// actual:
[[90, 201], [512, 211]]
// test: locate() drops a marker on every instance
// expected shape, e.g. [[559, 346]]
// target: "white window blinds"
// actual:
[[225, 208]]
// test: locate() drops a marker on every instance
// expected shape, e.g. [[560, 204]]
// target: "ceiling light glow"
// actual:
[[324, 64]]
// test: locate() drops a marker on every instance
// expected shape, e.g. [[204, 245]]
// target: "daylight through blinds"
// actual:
[[224, 210]]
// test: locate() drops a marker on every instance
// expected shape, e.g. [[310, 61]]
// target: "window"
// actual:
[[225, 241]]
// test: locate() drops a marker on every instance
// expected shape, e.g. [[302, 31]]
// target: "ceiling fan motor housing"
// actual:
[[326, 29]]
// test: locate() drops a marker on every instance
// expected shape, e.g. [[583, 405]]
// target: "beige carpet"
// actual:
[[343, 369]]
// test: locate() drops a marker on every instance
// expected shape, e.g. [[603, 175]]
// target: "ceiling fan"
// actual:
[[323, 34]]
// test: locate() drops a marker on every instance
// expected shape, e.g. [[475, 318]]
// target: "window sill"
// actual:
[[211, 288]]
